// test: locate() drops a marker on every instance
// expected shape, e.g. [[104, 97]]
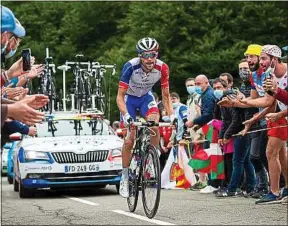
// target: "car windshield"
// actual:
[[74, 127]]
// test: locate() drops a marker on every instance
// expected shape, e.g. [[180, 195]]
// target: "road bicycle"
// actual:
[[99, 86], [81, 85], [47, 84], [144, 170]]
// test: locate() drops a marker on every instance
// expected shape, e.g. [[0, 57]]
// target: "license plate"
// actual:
[[81, 168]]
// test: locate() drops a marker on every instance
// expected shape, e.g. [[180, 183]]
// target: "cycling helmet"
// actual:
[[10, 24], [147, 44], [272, 50], [253, 49]]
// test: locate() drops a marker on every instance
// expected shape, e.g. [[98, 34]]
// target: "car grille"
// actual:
[[71, 157]]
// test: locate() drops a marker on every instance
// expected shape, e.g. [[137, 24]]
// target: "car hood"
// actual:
[[81, 144]]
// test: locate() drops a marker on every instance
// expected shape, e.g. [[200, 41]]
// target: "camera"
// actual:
[[26, 58]]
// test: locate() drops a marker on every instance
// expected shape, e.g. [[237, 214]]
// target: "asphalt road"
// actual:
[[105, 206]]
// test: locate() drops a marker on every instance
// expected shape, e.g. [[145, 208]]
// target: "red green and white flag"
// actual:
[[209, 160]]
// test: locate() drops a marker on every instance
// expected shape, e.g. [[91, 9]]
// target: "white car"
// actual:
[[66, 154]]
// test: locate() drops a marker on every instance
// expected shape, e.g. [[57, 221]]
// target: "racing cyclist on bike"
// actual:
[[138, 77]]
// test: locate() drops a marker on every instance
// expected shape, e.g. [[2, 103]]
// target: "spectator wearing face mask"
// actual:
[[193, 103], [261, 186], [11, 32], [207, 100], [232, 119]]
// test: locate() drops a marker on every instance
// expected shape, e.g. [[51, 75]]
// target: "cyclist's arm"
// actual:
[[123, 86], [167, 101], [120, 100], [165, 89]]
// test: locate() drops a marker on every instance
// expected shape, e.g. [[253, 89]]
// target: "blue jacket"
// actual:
[[17, 127], [208, 102]]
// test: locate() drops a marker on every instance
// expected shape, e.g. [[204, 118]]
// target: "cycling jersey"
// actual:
[[137, 82]]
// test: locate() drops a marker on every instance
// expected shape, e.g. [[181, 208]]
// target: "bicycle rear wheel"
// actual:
[[134, 182], [151, 182]]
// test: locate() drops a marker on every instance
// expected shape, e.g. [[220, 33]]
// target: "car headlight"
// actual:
[[116, 153], [33, 155]]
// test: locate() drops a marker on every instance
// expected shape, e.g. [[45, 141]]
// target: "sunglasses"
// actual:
[[149, 55]]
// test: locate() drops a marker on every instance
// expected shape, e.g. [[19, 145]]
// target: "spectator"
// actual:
[[254, 139], [192, 103], [219, 87], [228, 78], [203, 88], [232, 119]]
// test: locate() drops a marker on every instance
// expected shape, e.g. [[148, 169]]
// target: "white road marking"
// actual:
[[141, 217], [83, 201]]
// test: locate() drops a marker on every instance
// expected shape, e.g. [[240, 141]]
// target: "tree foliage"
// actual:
[[195, 37]]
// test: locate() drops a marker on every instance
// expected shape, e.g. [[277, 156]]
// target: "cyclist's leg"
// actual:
[[126, 148], [149, 110]]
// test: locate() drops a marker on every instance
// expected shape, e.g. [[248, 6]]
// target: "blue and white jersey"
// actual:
[[137, 82]]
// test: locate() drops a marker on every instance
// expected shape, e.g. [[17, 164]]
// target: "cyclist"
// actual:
[[138, 77]]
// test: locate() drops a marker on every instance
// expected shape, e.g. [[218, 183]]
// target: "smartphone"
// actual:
[[26, 58]]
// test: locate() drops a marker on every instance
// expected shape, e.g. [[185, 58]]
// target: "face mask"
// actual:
[[175, 105], [11, 53], [4, 47], [166, 118], [190, 89], [198, 90], [244, 75], [218, 94]]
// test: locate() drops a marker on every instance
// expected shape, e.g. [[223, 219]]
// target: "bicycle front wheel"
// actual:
[[134, 182], [151, 182]]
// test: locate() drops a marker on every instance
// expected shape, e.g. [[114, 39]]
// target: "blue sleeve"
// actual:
[[13, 81], [17, 127], [207, 110], [126, 73], [183, 111]]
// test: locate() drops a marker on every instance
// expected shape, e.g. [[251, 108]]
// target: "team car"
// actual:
[[69, 151]]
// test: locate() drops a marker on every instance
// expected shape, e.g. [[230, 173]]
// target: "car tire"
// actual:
[[25, 192], [117, 188], [9, 179], [15, 184]]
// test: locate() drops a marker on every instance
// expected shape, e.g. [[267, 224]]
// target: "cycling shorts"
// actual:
[[145, 104]]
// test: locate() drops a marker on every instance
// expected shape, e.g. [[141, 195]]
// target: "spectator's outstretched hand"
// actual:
[[35, 71], [36, 101], [22, 112], [13, 92]]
